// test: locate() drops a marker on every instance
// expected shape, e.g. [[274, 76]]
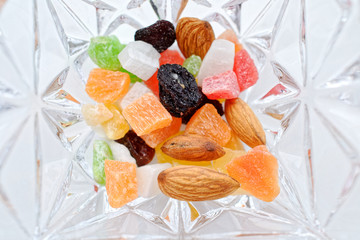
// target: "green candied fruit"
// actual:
[[104, 51], [102, 151], [133, 77], [192, 64]]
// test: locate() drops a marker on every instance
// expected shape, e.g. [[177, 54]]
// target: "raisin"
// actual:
[[203, 101], [161, 35], [178, 90], [139, 150]]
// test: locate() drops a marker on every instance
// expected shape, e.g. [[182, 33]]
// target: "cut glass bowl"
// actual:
[[310, 47]]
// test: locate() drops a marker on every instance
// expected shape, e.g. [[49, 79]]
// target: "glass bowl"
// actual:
[[307, 49]]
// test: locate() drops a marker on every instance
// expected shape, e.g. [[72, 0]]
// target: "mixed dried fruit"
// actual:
[[146, 93]]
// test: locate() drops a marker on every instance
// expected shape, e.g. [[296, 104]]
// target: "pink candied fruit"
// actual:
[[223, 85], [245, 70]]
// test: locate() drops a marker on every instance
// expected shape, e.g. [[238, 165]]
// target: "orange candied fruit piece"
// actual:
[[121, 182], [257, 173], [147, 114], [230, 35], [116, 127], [207, 122], [107, 86], [158, 136]]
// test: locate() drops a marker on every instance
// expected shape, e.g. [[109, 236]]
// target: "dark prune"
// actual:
[[178, 90], [203, 101], [139, 150], [161, 35]]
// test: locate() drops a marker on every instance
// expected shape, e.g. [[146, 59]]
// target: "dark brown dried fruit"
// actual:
[[139, 150], [161, 35], [178, 90]]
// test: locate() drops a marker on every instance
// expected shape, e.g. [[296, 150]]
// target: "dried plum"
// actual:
[[139, 150], [161, 35], [178, 90]]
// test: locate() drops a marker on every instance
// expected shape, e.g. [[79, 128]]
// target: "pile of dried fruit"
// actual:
[[206, 161]]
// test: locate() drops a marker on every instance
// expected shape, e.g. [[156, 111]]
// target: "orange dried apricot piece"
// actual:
[[107, 86], [147, 114], [207, 122], [257, 173], [158, 136], [121, 183], [229, 35]]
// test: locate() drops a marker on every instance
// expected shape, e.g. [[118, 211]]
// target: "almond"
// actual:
[[193, 183], [192, 148], [244, 122], [194, 36]]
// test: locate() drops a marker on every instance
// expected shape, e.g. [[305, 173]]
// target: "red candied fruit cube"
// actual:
[[245, 70]]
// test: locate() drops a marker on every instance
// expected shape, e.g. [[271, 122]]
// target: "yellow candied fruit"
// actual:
[[117, 126], [235, 142], [219, 164], [95, 114]]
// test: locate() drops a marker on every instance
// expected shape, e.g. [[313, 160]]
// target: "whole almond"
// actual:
[[244, 122], [192, 148], [193, 183], [194, 36]]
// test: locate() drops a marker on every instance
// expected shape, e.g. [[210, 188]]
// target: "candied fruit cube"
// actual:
[[245, 70], [192, 64], [121, 182], [121, 152], [219, 59], [101, 151], [207, 122], [223, 85], [106, 86], [135, 92], [147, 114], [95, 114], [116, 127], [257, 173], [104, 51], [140, 58], [229, 35], [158, 136], [147, 179]]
